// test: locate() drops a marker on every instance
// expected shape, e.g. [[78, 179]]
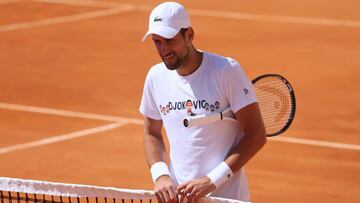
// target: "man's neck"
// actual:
[[193, 63]]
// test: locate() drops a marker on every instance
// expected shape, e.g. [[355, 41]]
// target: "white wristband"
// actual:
[[220, 174], [159, 169]]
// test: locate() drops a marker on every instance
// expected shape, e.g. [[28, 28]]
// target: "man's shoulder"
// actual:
[[157, 69], [222, 62]]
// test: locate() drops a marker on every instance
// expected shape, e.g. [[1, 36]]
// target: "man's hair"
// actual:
[[183, 31]]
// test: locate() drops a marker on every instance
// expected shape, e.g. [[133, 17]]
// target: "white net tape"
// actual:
[[77, 190]]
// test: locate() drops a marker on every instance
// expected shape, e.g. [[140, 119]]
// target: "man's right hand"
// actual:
[[165, 190]]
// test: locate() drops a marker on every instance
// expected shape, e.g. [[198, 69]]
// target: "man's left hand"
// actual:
[[195, 189]]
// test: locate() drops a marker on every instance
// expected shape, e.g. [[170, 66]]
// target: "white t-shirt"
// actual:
[[218, 83]]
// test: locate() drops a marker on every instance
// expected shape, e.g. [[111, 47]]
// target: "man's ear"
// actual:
[[189, 35]]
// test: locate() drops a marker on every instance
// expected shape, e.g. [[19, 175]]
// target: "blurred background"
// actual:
[[73, 71]]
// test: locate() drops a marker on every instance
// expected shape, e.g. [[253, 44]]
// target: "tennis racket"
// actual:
[[276, 99]]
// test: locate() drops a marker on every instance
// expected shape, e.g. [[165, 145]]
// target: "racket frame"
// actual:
[[292, 98]]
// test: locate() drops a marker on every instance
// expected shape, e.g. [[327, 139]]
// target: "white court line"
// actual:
[[63, 19], [58, 112], [61, 138], [73, 114], [316, 143], [102, 4], [231, 15], [274, 18], [208, 13]]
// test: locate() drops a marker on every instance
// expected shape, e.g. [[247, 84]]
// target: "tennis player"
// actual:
[[207, 159]]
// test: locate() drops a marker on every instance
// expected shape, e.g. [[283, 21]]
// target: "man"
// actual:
[[205, 159]]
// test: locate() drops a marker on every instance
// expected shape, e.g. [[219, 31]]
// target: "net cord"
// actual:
[[37, 187]]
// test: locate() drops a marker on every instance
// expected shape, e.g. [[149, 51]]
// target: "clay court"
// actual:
[[72, 73]]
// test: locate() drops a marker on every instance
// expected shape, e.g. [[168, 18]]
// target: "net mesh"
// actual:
[[275, 102], [13, 190]]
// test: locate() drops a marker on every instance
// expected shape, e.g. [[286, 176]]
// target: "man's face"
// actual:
[[172, 51]]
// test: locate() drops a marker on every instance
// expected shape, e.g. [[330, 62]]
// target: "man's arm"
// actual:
[[155, 152], [249, 119], [153, 141]]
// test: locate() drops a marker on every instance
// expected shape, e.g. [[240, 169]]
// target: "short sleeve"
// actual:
[[237, 86], [148, 105]]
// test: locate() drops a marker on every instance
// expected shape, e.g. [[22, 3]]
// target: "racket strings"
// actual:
[[275, 103]]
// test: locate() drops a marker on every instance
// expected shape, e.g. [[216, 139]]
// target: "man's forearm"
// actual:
[[154, 148], [251, 123], [245, 150]]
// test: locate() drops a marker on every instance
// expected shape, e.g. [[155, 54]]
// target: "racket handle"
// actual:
[[201, 119]]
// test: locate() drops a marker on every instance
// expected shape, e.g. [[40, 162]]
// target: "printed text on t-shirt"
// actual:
[[189, 105]]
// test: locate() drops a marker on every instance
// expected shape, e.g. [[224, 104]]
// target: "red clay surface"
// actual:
[[30, 11], [98, 66]]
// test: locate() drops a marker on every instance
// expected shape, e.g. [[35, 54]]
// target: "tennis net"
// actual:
[[14, 190]]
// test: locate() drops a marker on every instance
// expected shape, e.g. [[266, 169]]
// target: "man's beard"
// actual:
[[173, 66], [179, 61]]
